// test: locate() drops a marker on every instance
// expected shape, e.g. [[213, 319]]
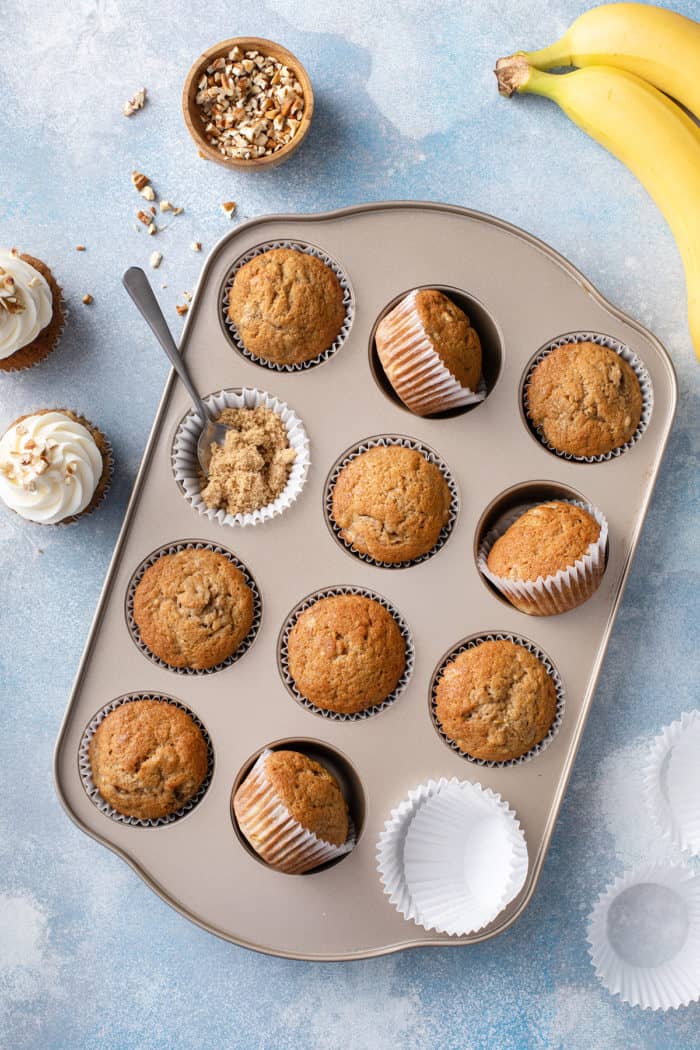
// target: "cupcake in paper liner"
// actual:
[[55, 467], [672, 782], [558, 546], [292, 812], [587, 397], [452, 857], [430, 353], [245, 469], [644, 937], [32, 311]]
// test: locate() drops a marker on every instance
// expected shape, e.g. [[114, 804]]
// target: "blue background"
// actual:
[[406, 108]]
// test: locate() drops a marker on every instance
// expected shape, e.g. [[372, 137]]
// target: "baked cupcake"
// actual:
[[55, 466], [584, 399], [148, 758], [193, 608], [430, 353], [550, 559], [292, 812], [391, 503], [346, 653], [32, 312], [287, 306], [496, 701]]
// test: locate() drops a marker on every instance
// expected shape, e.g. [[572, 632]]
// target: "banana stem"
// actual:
[[555, 56], [516, 74]]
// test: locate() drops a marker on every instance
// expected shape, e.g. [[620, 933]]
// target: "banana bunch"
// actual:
[[631, 58]]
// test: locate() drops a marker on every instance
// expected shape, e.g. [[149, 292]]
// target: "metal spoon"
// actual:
[[138, 287]]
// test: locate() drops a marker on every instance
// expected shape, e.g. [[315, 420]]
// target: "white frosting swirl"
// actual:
[[33, 310], [50, 467]]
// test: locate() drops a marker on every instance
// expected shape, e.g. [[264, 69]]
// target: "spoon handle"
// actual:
[[139, 288]]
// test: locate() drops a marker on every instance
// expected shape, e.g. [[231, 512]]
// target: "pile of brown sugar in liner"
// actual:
[[251, 469]]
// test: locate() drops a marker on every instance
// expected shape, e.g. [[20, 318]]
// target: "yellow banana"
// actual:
[[644, 129], [656, 44]]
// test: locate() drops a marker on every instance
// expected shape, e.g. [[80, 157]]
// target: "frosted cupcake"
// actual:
[[32, 313], [55, 466]]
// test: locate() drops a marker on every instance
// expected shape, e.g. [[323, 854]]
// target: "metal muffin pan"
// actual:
[[528, 295]]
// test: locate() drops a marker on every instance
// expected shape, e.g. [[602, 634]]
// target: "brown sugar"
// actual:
[[251, 469]]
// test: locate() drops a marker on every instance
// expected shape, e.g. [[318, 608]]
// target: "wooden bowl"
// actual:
[[192, 111]]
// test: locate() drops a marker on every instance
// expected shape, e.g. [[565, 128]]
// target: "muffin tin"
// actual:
[[522, 295]]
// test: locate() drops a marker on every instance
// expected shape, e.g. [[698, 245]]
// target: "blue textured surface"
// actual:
[[407, 108]]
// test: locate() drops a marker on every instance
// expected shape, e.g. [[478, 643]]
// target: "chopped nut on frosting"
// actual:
[[10, 299]]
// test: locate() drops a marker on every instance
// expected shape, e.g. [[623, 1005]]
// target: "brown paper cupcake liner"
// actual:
[[274, 834], [309, 249], [419, 377], [384, 441], [30, 356], [105, 482], [175, 548], [283, 656], [86, 770], [635, 364], [561, 592], [471, 643]]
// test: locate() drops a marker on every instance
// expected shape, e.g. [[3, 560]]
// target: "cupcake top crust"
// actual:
[[193, 608], [148, 758], [311, 794], [391, 503], [543, 541], [496, 701], [346, 653], [287, 306], [585, 399], [449, 330]]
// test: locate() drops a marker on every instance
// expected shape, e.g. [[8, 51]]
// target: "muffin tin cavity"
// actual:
[[508, 503], [481, 320], [175, 548], [336, 763], [375, 442], [232, 333], [470, 643], [86, 771], [283, 661], [632, 360]]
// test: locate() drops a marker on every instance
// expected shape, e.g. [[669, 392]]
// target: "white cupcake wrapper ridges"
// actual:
[[186, 465], [635, 364], [308, 249], [423, 853], [175, 548], [644, 937], [672, 782], [385, 441], [283, 656], [86, 770], [416, 371], [494, 636], [549, 595], [272, 831]]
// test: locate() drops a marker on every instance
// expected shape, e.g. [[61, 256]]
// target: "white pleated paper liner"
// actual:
[[452, 856], [672, 782], [188, 472], [566, 589], [644, 937], [471, 643], [175, 548], [385, 441], [273, 833], [635, 364], [307, 249], [86, 771], [415, 371], [283, 655]]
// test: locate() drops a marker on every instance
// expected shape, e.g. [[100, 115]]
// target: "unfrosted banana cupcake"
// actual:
[[32, 313], [430, 353], [55, 466]]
